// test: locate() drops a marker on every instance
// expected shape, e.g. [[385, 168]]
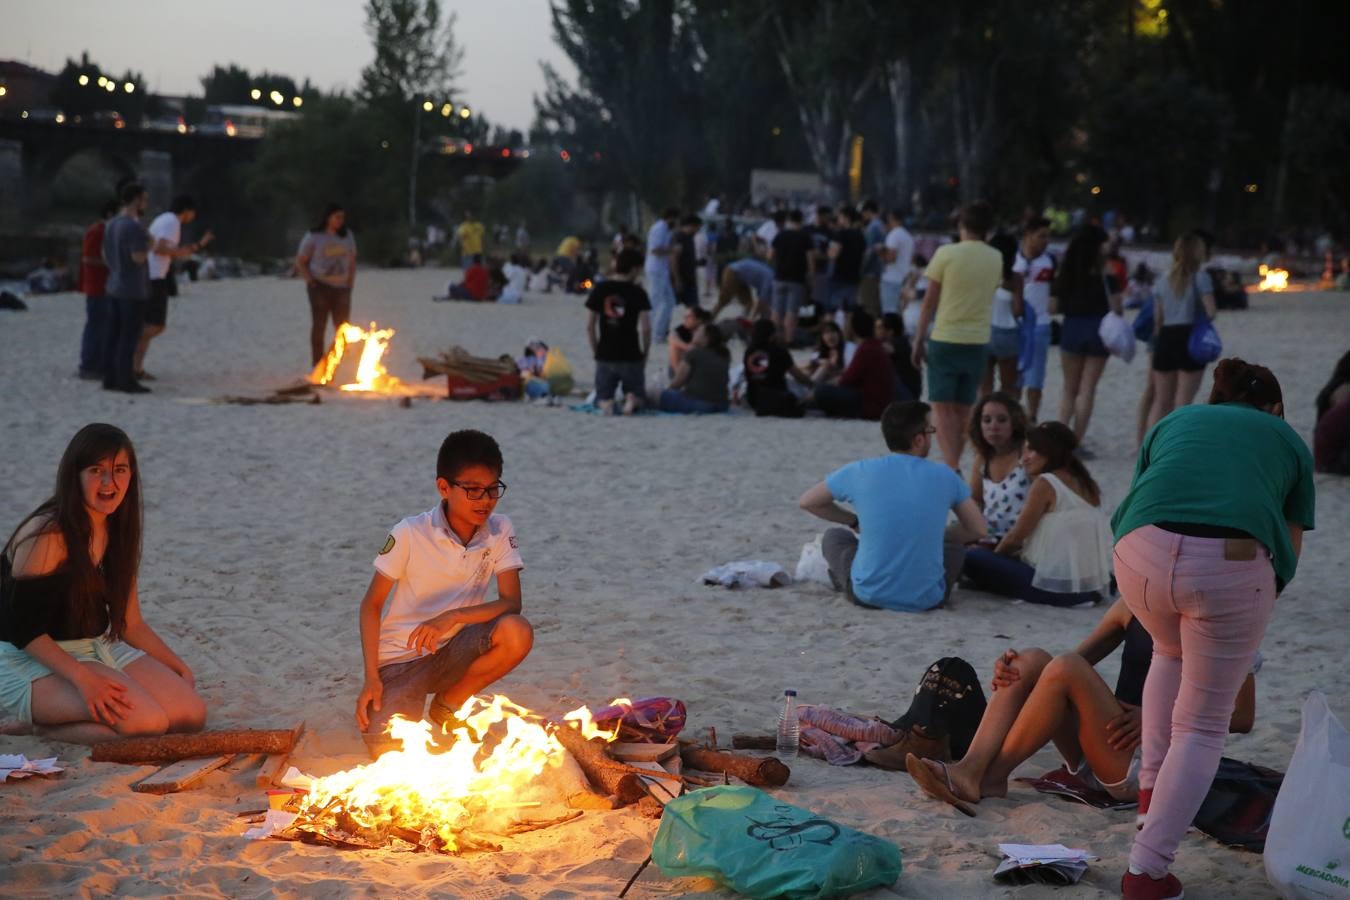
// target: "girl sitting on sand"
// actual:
[[998, 480], [1059, 550], [76, 658], [831, 354], [1037, 699], [700, 383]]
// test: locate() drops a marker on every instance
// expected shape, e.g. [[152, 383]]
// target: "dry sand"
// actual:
[[261, 523]]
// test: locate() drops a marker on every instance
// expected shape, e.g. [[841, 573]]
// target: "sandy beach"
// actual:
[[262, 521]]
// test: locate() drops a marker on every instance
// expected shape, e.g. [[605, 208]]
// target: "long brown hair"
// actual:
[[1238, 381], [65, 513], [1017, 417], [1188, 255], [1056, 442]]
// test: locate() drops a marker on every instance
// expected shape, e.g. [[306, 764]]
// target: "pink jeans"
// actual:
[[1207, 614]]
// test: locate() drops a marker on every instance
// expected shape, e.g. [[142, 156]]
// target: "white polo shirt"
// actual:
[[433, 572], [1038, 275]]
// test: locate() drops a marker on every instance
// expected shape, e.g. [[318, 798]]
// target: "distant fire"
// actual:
[[370, 372], [1272, 279]]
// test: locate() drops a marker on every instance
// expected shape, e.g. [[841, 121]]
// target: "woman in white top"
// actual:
[[1059, 551], [998, 480], [1005, 337]]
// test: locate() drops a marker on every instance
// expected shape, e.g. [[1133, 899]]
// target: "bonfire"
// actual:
[[370, 372], [1272, 279], [504, 772]]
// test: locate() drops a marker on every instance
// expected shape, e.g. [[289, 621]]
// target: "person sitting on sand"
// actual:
[[831, 355], [440, 634], [77, 659], [1037, 699], [908, 379], [682, 336], [700, 383], [767, 366], [619, 328], [999, 481], [867, 385], [897, 559], [1059, 550], [1331, 437], [475, 284]]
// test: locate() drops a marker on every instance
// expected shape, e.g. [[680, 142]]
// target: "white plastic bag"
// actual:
[[1117, 335], [1308, 845], [812, 565]]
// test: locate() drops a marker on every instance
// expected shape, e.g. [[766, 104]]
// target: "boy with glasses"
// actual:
[[441, 635]]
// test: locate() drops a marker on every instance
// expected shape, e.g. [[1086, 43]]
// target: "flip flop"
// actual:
[[930, 784]]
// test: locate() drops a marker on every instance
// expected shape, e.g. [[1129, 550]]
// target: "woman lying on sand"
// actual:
[[76, 658], [1037, 699]]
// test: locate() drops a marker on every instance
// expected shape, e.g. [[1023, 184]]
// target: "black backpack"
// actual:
[[949, 702]]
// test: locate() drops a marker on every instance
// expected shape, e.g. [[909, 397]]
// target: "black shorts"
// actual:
[[157, 307], [1171, 352]]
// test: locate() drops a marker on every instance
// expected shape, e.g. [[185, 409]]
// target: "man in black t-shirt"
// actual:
[[619, 329], [847, 248], [684, 263], [767, 367], [791, 253]]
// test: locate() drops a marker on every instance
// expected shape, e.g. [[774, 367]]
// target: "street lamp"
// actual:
[[277, 97], [110, 85], [427, 106], [256, 94], [464, 112], [297, 102], [84, 80], [129, 87]]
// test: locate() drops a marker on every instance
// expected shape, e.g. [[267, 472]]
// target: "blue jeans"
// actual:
[[890, 296], [680, 402], [839, 402], [125, 318], [92, 349], [1010, 577], [662, 294], [407, 684]]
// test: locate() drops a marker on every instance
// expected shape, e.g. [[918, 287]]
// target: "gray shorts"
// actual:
[[788, 297], [407, 684], [611, 375]]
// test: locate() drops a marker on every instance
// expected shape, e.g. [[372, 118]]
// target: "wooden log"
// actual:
[[180, 775], [168, 748], [760, 771], [607, 776], [754, 742], [274, 765]]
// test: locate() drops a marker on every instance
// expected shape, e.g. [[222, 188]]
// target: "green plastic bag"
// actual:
[[760, 847]]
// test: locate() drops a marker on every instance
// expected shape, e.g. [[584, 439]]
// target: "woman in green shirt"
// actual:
[[1208, 535]]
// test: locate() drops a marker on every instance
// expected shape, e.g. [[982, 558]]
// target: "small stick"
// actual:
[[642, 868]]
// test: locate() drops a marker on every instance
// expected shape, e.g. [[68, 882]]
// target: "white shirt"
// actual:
[[1037, 277], [658, 238], [712, 207], [1003, 315], [433, 572], [902, 243], [767, 232], [165, 227], [516, 276]]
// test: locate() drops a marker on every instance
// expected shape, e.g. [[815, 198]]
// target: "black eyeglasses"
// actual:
[[473, 492]]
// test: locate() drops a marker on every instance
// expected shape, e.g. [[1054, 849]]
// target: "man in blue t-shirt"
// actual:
[[898, 559]]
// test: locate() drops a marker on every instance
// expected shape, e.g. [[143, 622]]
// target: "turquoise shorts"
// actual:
[[18, 670], [955, 371]]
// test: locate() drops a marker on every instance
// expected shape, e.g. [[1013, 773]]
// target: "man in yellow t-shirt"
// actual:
[[470, 237], [962, 278]]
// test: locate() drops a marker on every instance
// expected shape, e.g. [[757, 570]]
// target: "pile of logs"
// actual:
[[460, 363]]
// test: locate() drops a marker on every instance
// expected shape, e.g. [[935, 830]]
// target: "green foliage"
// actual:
[[415, 52], [235, 85], [76, 99]]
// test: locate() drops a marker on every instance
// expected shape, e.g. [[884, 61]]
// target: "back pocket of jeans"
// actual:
[[1133, 586]]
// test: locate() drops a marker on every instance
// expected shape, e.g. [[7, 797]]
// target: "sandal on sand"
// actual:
[[930, 784]]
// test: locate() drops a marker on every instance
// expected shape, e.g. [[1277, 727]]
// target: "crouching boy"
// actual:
[[440, 634]]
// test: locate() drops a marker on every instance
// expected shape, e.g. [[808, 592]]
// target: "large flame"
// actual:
[[483, 780], [1272, 279], [370, 371]]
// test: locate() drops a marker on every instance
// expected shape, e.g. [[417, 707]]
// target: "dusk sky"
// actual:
[[174, 43]]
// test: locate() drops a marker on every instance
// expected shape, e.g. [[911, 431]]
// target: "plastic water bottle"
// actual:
[[789, 729]]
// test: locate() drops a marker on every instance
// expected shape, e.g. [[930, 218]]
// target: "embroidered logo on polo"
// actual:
[[388, 545], [515, 544]]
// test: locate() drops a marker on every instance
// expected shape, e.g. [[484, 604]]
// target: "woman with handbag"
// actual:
[[1179, 300], [1209, 533]]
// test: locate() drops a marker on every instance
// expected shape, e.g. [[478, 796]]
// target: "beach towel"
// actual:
[[747, 573]]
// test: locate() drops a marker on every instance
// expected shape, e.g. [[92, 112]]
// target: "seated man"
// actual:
[[1038, 699], [867, 384], [898, 559], [440, 634], [476, 282]]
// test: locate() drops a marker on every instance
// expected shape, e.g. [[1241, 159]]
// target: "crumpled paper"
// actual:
[[17, 766], [747, 573], [273, 821]]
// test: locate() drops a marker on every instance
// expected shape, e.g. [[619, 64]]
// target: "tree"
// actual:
[[78, 91], [415, 52], [235, 85]]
